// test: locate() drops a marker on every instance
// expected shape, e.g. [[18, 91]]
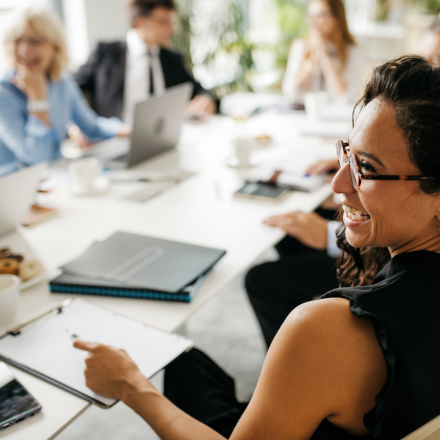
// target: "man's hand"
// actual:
[[202, 105], [309, 229], [323, 166], [111, 372], [78, 137]]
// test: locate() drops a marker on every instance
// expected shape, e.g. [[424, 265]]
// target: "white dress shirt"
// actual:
[[332, 248], [139, 58], [353, 73]]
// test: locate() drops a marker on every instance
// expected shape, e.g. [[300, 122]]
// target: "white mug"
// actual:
[[9, 297], [313, 103], [85, 172], [243, 150]]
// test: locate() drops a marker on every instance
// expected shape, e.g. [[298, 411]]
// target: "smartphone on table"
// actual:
[[16, 403]]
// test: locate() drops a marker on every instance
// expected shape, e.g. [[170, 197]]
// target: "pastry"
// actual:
[[7, 253], [30, 269], [9, 266]]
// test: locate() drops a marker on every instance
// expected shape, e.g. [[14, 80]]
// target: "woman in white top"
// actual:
[[328, 60]]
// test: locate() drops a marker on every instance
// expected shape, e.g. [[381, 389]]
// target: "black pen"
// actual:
[[145, 180]]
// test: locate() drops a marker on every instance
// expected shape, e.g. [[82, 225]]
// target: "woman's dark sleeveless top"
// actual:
[[403, 303]]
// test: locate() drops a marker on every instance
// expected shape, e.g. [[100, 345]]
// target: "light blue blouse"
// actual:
[[26, 140]]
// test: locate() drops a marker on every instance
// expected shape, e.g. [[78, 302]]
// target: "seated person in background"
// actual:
[[430, 44], [306, 267], [276, 288], [40, 104], [361, 362], [328, 60], [119, 75]]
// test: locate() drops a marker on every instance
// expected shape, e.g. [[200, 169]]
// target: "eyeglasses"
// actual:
[[356, 174], [163, 21], [319, 16], [32, 41]]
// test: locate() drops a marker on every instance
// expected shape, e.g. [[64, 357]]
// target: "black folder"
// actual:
[[132, 262]]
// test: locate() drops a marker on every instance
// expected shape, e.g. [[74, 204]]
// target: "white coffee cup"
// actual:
[[9, 297], [85, 172], [313, 103], [243, 147]]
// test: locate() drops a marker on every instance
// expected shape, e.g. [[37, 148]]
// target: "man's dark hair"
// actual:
[[143, 8]]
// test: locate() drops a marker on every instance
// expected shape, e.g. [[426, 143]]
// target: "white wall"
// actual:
[[90, 21], [107, 20]]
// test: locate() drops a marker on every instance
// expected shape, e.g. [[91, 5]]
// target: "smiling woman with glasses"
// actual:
[[362, 361]]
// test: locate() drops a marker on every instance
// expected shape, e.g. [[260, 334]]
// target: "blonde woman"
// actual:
[[328, 60], [40, 105]]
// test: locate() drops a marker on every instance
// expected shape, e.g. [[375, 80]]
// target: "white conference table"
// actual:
[[199, 210]]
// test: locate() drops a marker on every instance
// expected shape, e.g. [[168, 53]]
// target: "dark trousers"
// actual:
[[199, 387], [276, 288]]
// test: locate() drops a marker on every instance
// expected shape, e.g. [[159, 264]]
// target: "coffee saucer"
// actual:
[[101, 186], [234, 162]]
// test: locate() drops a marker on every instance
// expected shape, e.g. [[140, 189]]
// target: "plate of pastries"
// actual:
[[28, 269]]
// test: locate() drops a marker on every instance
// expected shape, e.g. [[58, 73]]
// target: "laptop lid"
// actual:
[[17, 191], [157, 123]]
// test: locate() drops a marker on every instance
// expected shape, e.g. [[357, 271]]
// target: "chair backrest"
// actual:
[[429, 431]]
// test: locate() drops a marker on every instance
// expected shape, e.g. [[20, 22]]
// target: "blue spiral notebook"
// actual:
[[66, 283]]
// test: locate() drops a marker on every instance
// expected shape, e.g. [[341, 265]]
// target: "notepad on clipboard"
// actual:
[[44, 347]]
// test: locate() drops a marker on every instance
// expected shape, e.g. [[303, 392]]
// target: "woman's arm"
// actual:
[[93, 126], [333, 74], [110, 372], [28, 137], [324, 363], [298, 72]]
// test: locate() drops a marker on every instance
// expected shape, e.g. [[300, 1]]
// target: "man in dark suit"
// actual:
[[118, 75]]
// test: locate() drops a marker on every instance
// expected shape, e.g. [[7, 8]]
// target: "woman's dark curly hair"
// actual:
[[412, 87]]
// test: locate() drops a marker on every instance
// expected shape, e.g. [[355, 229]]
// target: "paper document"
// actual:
[[46, 345]]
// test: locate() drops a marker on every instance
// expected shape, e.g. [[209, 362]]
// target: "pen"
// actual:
[[146, 180]]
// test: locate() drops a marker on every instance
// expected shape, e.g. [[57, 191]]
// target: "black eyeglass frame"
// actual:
[[343, 153]]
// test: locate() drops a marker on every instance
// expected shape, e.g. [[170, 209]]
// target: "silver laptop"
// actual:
[[156, 128], [17, 191]]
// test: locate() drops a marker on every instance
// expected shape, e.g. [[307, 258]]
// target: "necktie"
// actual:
[[157, 82]]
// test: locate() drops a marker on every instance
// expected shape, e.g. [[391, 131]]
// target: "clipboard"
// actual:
[[43, 346]]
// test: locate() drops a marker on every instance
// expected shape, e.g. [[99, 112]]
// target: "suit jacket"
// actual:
[[102, 77]]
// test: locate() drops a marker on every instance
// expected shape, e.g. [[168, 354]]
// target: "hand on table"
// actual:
[[77, 136], [310, 229], [324, 167], [125, 130], [202, 104], [111, 372]]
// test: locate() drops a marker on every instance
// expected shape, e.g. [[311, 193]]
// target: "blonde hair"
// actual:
[[48, 26]]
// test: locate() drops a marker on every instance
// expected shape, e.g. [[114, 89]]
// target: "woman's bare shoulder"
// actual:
[[324, 363]]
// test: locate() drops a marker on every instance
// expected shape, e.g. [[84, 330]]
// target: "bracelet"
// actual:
[[38, 105]]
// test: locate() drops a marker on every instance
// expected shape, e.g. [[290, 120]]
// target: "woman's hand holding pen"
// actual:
[[112, 373]]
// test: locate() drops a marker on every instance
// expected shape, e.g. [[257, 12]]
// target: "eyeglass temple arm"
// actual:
[[385, 177]]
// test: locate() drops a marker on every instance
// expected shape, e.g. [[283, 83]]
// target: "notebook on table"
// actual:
[[44, 347], [131, 265], [66, 283]]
